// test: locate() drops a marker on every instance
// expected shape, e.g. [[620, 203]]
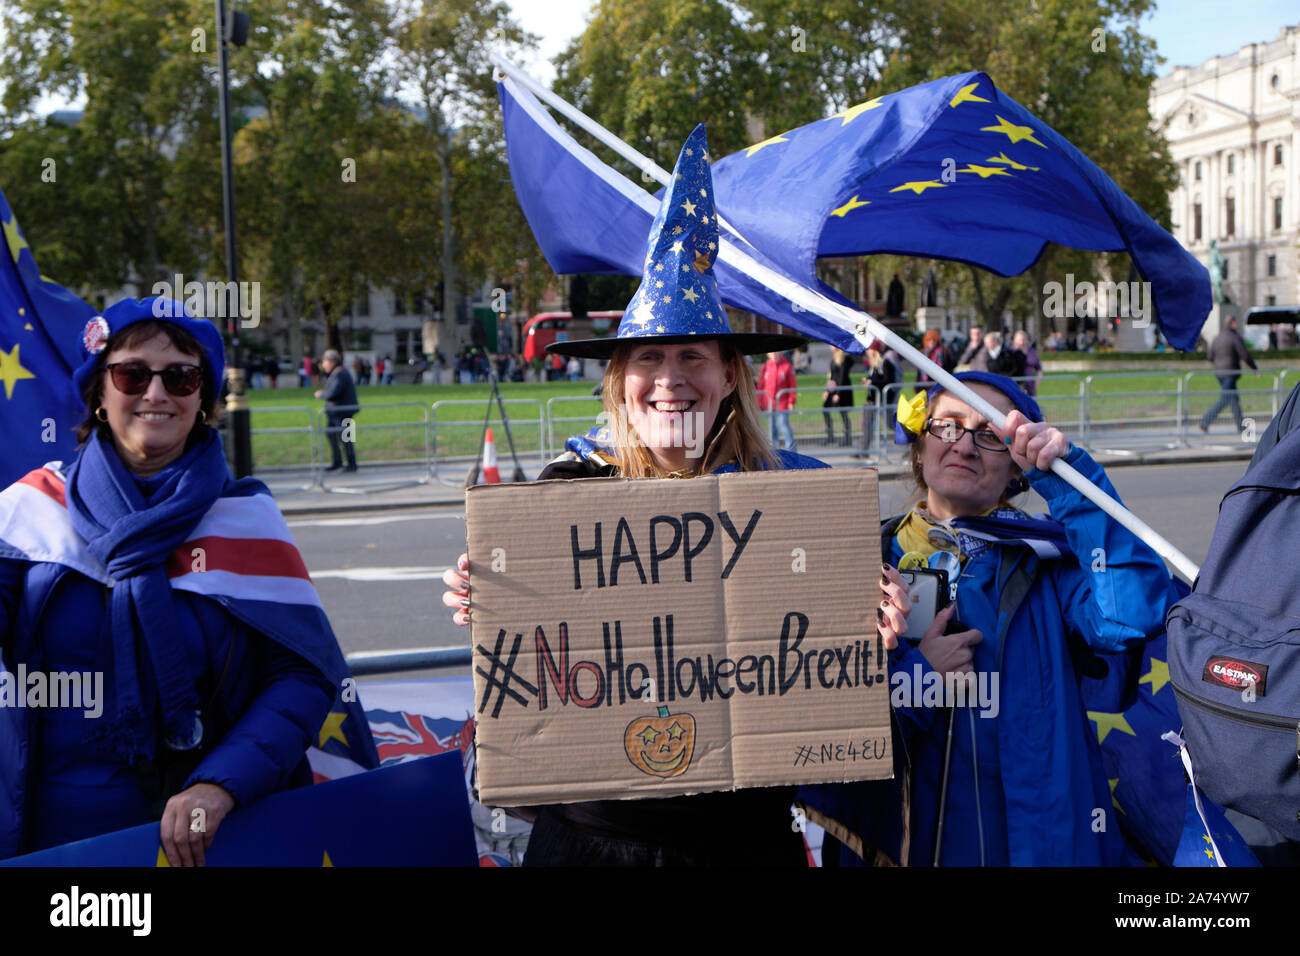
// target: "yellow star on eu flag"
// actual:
[[1157, 677], [920, 187], [967, 95], [984, 172], [751, 150], [1013, 132], [11, 370], [853, 112], [1004, 158], [13, 238], [332, 729], [1108, 722], [849, 206]]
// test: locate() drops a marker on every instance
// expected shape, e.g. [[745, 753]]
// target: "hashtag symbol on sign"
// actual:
[[802, 755], [507, 668]]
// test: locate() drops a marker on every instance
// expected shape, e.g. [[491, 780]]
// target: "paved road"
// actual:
[[378, 574]]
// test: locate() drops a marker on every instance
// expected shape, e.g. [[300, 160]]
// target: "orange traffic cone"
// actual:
[[491, 475]]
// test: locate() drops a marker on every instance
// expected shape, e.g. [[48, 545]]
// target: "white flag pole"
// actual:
[[859, 324]]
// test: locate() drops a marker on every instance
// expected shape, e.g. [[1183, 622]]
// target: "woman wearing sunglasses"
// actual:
[[1024, 782], [175, 596]]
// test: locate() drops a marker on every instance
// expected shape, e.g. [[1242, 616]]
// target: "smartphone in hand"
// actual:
[[927, 589]]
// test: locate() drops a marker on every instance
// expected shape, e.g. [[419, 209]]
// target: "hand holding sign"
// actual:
[[457, 593], [653, 638], [182, 843]]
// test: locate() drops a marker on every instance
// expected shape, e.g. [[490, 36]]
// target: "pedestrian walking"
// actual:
[[1227, 352]]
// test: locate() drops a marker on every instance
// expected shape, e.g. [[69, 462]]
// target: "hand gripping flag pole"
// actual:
[[860, 324]]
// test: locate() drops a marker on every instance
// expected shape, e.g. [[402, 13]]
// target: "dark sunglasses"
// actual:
[[951, 432], [133, 378]]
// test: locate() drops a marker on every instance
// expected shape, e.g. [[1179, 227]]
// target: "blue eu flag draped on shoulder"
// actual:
[[40, 345]]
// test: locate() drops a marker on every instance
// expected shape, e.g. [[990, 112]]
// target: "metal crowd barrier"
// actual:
[[1243, 397], [351, 484], [313, 450], [448, 445], [1095, 408], [581, 423], [368, 663]]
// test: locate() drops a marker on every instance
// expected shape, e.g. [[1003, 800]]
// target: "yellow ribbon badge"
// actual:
[[911, 412]]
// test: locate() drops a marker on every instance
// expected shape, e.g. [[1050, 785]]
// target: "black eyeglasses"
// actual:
[[951, 432], [133, 378]]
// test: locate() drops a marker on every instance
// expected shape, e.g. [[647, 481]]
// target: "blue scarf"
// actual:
[[1009, 526], [133, 532]]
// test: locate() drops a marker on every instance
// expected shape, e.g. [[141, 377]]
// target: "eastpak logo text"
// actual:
[[1236, 674]]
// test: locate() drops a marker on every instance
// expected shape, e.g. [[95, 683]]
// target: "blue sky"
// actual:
[[1190, 31]]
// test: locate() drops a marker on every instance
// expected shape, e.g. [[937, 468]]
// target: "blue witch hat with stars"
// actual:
[[678, 299]]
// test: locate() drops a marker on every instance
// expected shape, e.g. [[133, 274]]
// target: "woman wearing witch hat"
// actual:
[[680, 402]]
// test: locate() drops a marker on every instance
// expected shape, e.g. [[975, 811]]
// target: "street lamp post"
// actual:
[[234, 30]]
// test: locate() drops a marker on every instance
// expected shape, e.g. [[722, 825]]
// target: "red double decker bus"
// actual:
[[541, 330]]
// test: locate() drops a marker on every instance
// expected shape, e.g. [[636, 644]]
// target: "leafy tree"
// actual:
[[125, 201], [440, 51]]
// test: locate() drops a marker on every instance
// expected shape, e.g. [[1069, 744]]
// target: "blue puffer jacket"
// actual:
[[262, 706], [1029, 789]]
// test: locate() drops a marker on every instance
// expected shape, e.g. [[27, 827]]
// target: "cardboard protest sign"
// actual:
[[654, 638]]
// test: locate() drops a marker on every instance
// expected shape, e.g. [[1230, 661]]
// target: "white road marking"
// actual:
[[377, 519], [381, 574]]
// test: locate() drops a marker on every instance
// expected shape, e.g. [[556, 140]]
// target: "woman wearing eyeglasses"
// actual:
[[174, 597], [1024, 783]]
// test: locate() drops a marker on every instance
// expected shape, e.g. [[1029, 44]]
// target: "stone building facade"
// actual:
[[1233, 125]]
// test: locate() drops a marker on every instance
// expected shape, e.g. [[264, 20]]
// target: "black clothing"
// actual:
[[745, 827], [894, 298], [839, 394], [1009, 362]]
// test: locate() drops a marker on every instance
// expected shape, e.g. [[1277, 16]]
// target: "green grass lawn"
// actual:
[[393, 422]]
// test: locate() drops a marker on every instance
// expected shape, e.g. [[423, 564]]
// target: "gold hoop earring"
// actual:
[[202, 418], [101, 413]]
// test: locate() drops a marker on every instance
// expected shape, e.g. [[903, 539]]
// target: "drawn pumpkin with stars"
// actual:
[[661, 745]]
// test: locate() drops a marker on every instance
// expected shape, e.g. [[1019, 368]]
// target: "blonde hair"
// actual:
[[737, 433]]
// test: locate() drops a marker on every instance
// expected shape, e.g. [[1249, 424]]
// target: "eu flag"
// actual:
[[40, 345], [951, 169], [587, 217]]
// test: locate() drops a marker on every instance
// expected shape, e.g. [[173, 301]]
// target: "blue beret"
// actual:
[[130, 311]]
